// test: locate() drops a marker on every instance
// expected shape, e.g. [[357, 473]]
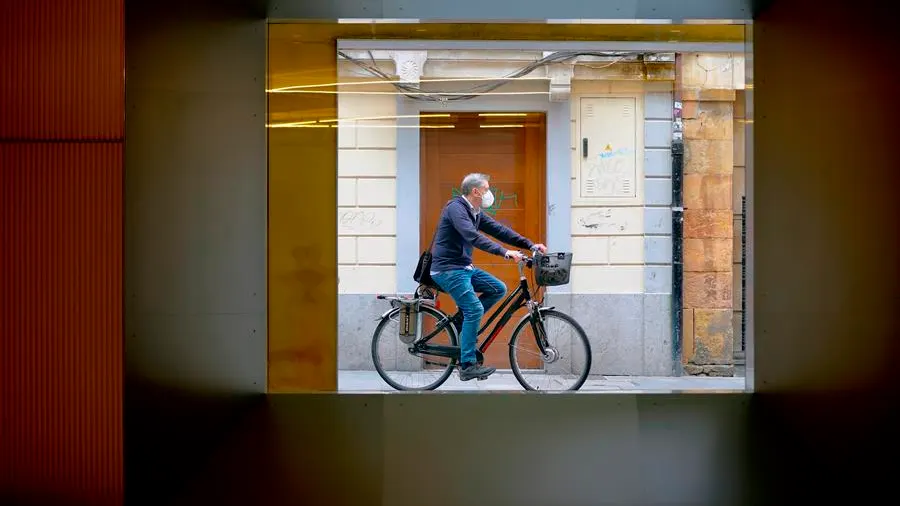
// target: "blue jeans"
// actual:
[[462, 284]]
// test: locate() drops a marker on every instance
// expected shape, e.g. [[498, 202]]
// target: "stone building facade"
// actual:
[[621, 288]]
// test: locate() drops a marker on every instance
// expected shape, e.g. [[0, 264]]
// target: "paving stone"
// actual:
[[369, 381]]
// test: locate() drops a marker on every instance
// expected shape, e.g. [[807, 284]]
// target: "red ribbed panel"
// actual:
[[61, 90], [61, 69], [61, 354]]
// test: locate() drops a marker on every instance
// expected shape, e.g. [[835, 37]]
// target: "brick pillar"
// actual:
[[708, 115]]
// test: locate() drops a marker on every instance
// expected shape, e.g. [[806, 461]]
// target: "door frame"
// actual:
[[532, 162], [558, 172], [537, 236]]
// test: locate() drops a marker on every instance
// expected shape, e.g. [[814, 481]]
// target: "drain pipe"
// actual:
[[677, 221]]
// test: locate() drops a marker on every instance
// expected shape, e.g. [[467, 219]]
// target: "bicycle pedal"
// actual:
[[482, 378]]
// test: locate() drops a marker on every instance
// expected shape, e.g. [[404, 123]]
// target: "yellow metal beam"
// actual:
[[302, 249], [510, 31]]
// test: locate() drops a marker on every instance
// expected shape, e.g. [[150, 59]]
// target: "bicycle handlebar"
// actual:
[[526, 261]]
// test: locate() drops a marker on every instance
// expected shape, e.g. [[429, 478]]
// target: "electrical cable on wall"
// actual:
[[415, 92]]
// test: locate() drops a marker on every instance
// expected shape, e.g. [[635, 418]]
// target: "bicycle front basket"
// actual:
[[552, 269]]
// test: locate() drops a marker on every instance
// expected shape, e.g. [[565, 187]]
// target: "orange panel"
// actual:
[[302, 267], [63, 67], [61, 326]]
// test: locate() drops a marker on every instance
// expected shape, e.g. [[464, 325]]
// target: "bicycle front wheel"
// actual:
[[566, 362], [403, 370]]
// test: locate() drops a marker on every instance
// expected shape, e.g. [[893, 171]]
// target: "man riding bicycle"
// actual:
[[451, 265]]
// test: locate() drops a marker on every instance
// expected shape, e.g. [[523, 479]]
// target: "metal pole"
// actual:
[[743, 273], [677, 221]]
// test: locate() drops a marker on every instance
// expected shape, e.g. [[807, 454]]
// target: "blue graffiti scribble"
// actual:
[[613, 153]]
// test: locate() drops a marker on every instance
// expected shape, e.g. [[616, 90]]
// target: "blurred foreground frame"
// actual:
[[199, 429]]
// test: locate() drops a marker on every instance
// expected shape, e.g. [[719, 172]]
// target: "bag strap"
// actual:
[[434, 237]]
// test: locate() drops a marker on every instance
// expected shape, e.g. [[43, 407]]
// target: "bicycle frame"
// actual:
[[517, 299]]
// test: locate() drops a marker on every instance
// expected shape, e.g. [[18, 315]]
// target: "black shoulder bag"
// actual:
[[422, 275]]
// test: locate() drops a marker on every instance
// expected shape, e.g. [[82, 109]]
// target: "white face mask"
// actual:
[[487, 200]]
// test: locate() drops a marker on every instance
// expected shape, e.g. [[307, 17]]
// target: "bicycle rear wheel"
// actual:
[[567, 362], [403, 370]]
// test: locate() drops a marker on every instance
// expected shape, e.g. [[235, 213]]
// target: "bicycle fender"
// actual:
[[524, 318], [387, 313]]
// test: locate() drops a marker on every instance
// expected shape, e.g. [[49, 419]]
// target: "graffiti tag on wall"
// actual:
[[499, 197], [602, 221], [357, 221], [610, 174]]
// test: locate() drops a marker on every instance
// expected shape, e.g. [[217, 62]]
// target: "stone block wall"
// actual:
[[367, 215], [367, 195], [622, 274], [708, 96]]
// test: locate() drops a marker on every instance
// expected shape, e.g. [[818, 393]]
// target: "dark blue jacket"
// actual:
[[458, 232]]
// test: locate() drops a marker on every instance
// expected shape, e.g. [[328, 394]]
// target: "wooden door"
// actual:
[[511, 150]]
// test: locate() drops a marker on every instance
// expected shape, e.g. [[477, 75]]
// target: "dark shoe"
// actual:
[[471, 371]]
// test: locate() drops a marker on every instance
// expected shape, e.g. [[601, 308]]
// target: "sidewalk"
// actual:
[[504, 381]]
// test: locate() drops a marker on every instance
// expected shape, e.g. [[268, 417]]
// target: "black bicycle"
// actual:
[[423, 351]]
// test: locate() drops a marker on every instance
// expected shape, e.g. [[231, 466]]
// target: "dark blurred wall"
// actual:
[[195, 237], [824, 247]]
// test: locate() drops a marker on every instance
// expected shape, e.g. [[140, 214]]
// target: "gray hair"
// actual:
[[473, 181]]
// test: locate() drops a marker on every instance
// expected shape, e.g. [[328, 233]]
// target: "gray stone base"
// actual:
[[709, 370], [631, 335], [357, 319]]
